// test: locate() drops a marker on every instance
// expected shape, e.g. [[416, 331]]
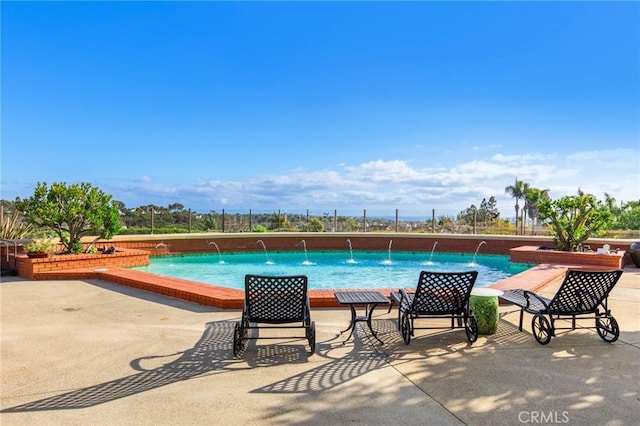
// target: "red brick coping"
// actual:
[[227, 298]]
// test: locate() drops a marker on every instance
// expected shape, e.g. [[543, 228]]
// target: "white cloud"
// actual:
[[522, 159], [384, 185], [396, 171], [613, 171], [584, 156]]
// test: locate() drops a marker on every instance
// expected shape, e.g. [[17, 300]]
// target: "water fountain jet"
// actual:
[[351, 260], [303, 243], [429, 262], [473, 261], [264, 248], [388, 261], [218, 249]]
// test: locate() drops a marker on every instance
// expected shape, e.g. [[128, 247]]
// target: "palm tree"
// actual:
[[533, 198], [526, 188], [517, 192], [610, 203]]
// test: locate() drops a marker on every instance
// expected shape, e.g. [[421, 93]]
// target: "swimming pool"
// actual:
[[331, 269]]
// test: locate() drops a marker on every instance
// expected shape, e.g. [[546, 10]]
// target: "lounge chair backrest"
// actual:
[[582, 291], [275, 299], [443, 292]]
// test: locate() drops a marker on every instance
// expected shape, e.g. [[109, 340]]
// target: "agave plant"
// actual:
[[14, 228]]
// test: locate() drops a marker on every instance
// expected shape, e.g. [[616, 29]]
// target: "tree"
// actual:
[[446, 224], [72, 212], [468, 215], [533, 197], [526, 189], [314, 225], [610, 202], [278, 221], [517, 192], [483, 214], [574, 219], [627, 216], [486, 213], [488, 209], [210, 221], [176, 207]]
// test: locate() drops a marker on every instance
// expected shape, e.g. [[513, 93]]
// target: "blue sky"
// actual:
[[321, 105]]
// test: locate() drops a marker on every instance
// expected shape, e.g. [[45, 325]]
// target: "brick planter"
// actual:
[[46, 268], [532, 254]]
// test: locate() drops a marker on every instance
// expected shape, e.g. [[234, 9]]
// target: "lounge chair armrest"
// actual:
[[405, 298], [528, 294], [403, 294]]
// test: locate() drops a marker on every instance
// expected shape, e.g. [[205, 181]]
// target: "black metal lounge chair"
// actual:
[[580, 297], [274, 300], [439, 295]]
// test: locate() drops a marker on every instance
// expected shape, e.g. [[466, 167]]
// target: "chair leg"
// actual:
[[521, 318]]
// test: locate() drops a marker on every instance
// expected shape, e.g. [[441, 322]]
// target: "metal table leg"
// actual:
[[366, 318]]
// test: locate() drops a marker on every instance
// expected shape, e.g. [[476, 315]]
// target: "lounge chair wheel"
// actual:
[[608, 329], [238, 345], [471, 328], [311, 336], [405, 328], [541, 328]]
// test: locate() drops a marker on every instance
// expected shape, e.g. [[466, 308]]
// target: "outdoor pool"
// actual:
[[337, 270]]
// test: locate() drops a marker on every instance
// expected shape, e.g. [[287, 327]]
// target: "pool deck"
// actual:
[[88, 351]]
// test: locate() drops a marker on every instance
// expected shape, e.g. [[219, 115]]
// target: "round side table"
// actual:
[[484, 304]]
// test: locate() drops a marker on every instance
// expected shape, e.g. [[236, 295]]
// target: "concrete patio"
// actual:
[[96, 353]]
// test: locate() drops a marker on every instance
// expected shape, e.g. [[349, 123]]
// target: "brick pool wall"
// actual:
[[287, 241], [133, 250]]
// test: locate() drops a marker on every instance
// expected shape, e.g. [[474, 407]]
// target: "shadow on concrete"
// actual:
[[362, 357], [211, 355]]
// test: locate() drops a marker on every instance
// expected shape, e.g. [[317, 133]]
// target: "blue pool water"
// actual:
[[331, 269]]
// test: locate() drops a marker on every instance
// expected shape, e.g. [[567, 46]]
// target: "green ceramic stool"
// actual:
[[484, 304]]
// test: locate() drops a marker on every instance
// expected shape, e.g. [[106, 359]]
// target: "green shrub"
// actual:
[[40, 245], [71, 212], [314, 225], [574, 219]]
